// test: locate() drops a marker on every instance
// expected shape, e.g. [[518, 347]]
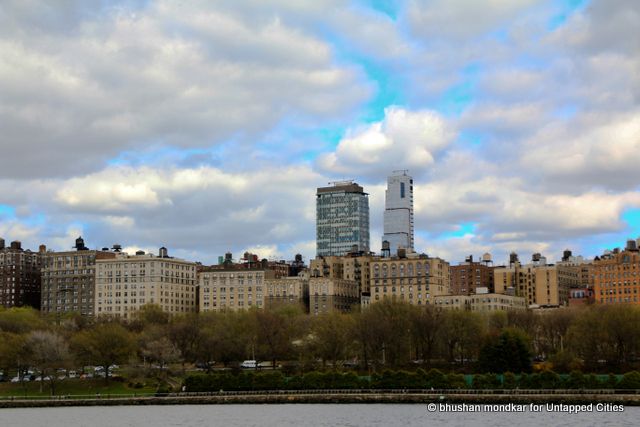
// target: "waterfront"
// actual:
[[300, 415]]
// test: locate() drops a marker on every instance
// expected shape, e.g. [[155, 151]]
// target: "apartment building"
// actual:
[[126, 282], [539, 283], [467, 276], [19, 275], [329, 294], [232, 289], [483, 303], [287, 291], [69, 280], [616, 276], [411, 278]]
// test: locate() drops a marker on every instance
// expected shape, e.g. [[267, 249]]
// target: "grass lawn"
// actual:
[[74, 386]]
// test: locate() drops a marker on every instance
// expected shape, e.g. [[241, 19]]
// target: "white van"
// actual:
[[249, 364]]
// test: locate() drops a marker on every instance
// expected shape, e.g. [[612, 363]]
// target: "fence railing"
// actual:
[[439, 392]]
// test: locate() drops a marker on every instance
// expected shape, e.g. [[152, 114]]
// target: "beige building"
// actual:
[[127, 282], [287, 291], [330, 294], [539, 283], [233, 289], [415, 279], [481, 302], [354, 266], [69, 280]]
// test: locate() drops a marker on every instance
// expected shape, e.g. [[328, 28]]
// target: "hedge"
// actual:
[[433, 379]]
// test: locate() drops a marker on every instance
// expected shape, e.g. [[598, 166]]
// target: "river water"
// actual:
[[297, 415]]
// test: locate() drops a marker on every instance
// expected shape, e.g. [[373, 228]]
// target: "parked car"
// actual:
[[249, 364]]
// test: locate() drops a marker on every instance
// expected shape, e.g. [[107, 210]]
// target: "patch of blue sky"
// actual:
[[387, 7], [596, 244], [566, 9], [388, 90], [632, 218], [470, 139], [7, 212], [35, 220], [388, 87], [460, 231], [565, 112], [458, 97]]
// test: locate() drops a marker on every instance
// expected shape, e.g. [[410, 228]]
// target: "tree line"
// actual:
[[387, 335]]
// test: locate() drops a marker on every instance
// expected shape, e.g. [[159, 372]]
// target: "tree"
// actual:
[[507, 352], [273, 335], [588, 338], [553, 327], [462, 332], [14, 354], [104, 345], [20, 320], [157, 348], [332, 339], [149, 314], [384, 331], [426, 325], [48, 351], [184, 332]]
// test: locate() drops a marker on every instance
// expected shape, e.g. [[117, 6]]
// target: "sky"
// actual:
[[206, 126]]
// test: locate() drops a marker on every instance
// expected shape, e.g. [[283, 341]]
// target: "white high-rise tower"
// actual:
[[398, 212]]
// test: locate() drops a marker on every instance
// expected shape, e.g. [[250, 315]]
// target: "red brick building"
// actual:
[[19, 276], [469, 275], [616, 276]]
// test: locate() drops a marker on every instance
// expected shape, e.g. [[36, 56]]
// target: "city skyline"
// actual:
[[208, 128]]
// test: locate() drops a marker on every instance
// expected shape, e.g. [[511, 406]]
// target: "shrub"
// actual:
[[435, 379], [630, 381], [455, 381], [549, 380], [509, 381], [575, 380], [486, 381]]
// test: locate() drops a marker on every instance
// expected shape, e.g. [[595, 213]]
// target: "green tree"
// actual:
[[104, 345], [332, 338], [20, 320], [426, 326], [462, 332], [184, 333], [508, 351]]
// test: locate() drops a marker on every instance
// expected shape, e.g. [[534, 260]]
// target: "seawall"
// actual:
[[284, 397]]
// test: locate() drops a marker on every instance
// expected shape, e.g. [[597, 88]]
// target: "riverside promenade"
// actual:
[[570, 397]]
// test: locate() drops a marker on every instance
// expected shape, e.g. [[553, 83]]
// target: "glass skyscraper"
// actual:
[[342, 219], [398, 212]]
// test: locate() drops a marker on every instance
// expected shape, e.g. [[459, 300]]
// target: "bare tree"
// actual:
[[48, 351]]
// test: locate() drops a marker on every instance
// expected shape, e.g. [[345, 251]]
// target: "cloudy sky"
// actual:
[[206, 126]]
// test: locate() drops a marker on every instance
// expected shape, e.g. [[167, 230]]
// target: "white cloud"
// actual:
[[461, 19], [403, 140], [184, 75]]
